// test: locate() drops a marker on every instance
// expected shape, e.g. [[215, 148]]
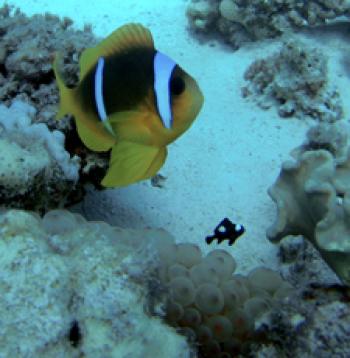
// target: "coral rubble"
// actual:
[[27, 47]]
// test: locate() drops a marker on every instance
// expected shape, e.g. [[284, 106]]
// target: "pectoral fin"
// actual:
[[131, 162], [132, 126]]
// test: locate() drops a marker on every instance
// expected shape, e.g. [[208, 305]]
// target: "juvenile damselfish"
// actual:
[[130, 99]]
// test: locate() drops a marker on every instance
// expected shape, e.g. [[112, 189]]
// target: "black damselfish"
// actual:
[[226, 230]]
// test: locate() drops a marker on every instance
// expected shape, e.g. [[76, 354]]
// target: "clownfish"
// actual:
[[130, 99]]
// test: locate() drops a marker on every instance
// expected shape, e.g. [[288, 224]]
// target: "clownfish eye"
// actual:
[[177, 85]]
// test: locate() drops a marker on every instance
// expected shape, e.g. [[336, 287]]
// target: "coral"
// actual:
[[75, 288], [82, 288], [35, 170], [27, 47], [295, 81], [312, 195], [239, 21], [71, 288]]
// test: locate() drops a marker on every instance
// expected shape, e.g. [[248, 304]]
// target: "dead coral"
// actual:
[[239, 21], [295, 80]]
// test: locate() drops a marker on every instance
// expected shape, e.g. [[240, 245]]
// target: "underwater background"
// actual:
[[275, 77]]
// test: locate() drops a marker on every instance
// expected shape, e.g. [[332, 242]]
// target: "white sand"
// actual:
[[224, 164]]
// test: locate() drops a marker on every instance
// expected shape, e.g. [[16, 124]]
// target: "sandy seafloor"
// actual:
[[233, 152]]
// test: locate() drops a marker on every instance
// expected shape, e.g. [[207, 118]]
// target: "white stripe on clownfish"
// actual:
[[163, 68], [99, 99]]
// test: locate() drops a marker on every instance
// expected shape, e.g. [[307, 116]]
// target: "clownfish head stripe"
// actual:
[[163, 68], [99, 90]]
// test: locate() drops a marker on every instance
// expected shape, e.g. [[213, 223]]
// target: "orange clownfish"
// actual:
[[130, 99]]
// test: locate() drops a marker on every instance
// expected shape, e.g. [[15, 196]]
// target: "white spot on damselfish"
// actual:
[[238, 227], [222, 228]]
